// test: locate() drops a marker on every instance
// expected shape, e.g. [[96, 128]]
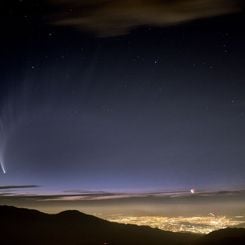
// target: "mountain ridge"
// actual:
[[29, 226]]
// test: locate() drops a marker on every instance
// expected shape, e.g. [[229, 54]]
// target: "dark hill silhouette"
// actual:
[[225, 237], [31, 227]]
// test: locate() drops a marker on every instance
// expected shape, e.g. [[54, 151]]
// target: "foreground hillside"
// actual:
[[29, 227]]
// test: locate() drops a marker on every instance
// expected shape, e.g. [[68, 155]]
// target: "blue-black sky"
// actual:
[[124, 105]]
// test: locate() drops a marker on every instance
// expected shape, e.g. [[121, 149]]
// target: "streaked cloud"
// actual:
[[101, 195], [118, 17]]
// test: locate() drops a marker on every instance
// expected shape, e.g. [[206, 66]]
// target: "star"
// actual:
[[156, 61]]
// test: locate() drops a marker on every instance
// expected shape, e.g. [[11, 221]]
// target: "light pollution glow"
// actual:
[[198, 224], [180, 211]]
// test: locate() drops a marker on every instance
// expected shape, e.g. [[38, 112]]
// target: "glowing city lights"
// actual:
[[197, 224]]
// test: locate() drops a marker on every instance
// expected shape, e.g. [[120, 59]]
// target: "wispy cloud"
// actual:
[[101, 195], [118, 17]]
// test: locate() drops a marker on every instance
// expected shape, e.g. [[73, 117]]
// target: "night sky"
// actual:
[[108, 98]]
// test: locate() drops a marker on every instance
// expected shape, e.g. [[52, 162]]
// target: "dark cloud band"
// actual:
[[12, 187]]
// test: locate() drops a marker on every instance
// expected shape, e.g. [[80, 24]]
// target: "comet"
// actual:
[[3, 168]]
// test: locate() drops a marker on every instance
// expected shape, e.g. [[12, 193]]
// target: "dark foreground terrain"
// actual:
[[30, 227]]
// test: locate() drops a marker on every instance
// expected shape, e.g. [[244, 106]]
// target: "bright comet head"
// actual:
[[3, 168]]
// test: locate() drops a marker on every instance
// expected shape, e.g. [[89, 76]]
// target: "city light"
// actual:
[[199, 224]]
